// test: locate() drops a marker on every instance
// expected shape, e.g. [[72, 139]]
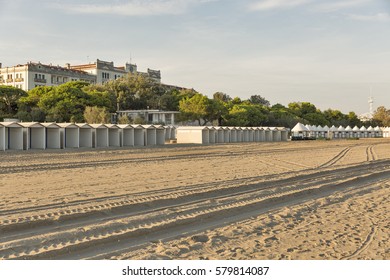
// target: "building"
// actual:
[[31, 75], [151, 116]]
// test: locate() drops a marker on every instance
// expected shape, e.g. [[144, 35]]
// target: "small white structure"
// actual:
[[333, 132], [33, 135], [53, 135], [239, 134], [300, 131], [283, 133], [139, 135], [378, 132], [226, 134], [85, 135], [150, 135], [113, 135], [160, 135], [2, 137], [363, 132], [245, 134], [276, 134], [70, 135], [219, 135], [212, 134], [341, 131], [268, 135], [99, 136], [356, 132], [233, 134], [13, 136], [193, 134], [168, 132], [126, 133]]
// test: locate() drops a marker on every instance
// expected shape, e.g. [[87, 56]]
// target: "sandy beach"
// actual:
[[290, 200]]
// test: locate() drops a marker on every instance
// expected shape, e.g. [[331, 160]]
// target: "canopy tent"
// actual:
[[126, 135], [85, 135], [70, 135], [33, 135], [100, 135], [53, 135], [113, 135], [299, 130]]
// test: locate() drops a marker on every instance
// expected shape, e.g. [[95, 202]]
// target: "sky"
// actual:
[[332, 53]]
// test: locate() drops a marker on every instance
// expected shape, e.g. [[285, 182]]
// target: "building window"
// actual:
[[36, 76]]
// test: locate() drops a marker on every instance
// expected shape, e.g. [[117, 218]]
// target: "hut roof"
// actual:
[[299, 127]]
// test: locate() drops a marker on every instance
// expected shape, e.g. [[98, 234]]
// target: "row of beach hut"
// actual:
[[33, 135], [312, 131], [218, 134]]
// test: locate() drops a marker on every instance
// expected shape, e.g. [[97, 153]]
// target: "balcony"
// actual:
[[10, 80], [18, 80], [37, 80], [2, 81]]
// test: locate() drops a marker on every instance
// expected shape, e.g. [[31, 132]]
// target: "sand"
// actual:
[[290, 200]]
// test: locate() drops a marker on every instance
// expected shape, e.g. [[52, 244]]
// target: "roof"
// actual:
[[31, 124], [83, 125], [10, 124], [50, 125], [98, 125], [192, 128], [67, 125], [299, 127]]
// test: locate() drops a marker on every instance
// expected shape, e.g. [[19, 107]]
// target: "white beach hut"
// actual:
[[276, 134], [33, 135], [126, 132], [348, 132], [226, 134], [326, 131], [233, 134], [100, 136], [283, 133], [70, 136], [245, 134], [212, 134], [2, 137], [370, 132], [139, 135], [239, 134], [160, 135], [333, 133], [378, 132], [251, 134], [85, 135], [114, 137], [53, 135], [262, 134], [268, 134], [356, 131], [363, 132], [167, 129], [150, 134], [341, 131], [193, 134], [13, 136], [220, 137]]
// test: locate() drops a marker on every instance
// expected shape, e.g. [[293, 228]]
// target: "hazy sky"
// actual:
[[328, 52]]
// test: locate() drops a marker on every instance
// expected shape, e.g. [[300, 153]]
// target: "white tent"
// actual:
[[100, 135], [69, 135], [85, 135], [341, 131], [126, 135], [139, 135], [363, 132], [356, 131], [33, 135], [333, 132], [193, 134], [53, 135], [378, 132], [160, 135], [113, 135], [2, 137], [299, 130], [348, 132]]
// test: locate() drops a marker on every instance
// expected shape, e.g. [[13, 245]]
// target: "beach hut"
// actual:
[[283, 133], [150, 134], [245, 134], [326, 131], [2, 137], [53, 135], [167, 129], [378, 132], [276, 134], [262, 134], [386, 132], [212, 134], [299, 131], [33, 135], [363, 132], [173, 132], [100, 137], [219, 135], [370, 132], [233, 134], [160, 135], [69, 133], [126, 134], [251, 134], [341, 132], [356, 132], [226, 134], [13, 136], [268, 134], [85, 135], [333, 132], [193, 134], [256, 134], [348, 132], [139, 135], [113, 135], [239, 134]]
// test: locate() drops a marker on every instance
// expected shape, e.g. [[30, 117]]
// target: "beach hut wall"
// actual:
[[85, 135], [70, 136], [114, 135], [233, 134], [220, 136], [150, 135], [212, 134], [33, 135], [193, 134], [139, 135], [251, 133], [2, 138], [268, 135], [167, 129], [53, 135], [126, 135], [226, 134], [160, 135], [100, 136], [239, 134], [13, 136], [245, 134]]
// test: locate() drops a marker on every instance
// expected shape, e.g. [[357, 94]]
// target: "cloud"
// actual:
[[332, 6], [133, 7], [276, 4], [379, 17]]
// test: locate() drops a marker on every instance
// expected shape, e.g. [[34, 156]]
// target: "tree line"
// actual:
[[83, 102]]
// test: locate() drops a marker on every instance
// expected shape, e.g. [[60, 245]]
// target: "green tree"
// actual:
[[9, 99], [382, 116], [196, 108], [96, 115], [259, 100]]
